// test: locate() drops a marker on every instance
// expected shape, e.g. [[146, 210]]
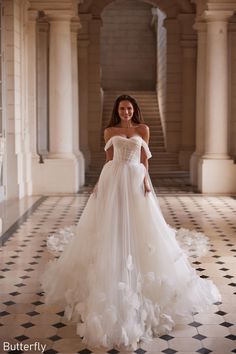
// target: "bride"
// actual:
[[123, 277]]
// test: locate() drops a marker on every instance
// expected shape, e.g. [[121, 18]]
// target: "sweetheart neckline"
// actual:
[[143, 142], [126, 137]]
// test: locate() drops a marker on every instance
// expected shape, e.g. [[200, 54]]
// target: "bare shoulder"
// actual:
[[144, 132], [107, 133], [144, 127]]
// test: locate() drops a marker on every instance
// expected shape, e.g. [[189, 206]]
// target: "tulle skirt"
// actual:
[[122, 275]]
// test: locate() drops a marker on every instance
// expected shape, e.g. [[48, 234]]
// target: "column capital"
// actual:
[[33, 15], [43, 26], [200, 26], [217, 16], [59, 15], [84, 29], [75, 24], [201, 6]]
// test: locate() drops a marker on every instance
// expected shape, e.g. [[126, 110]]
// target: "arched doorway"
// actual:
[[111, 68], [128, 47]]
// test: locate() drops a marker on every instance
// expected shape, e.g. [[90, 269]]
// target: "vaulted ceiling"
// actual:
[[170, 7]]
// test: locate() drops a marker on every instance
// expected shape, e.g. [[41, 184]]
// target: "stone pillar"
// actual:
[[30, 113], [161, 64], [59, 173], [188, 44], [60, 87], [42, 87], [83, 66], [232, 122], [32, 82], [95, 94], [200, 102], [75, 100], [13, 123], [217, 173]]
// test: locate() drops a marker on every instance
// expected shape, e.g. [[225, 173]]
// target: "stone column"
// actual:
[[232, 122], [32, 95], [200, 102], [188, 44], [42, 87], [95, 94], [75, 100], [60, 87], [59, 173], [161, 64], [83, 98], [217, 172], [83, 66], [32, 81]]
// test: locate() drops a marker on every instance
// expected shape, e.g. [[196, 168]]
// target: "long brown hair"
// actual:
[[115, 118]]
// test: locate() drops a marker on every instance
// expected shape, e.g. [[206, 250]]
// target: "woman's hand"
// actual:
[[95, 190], [146, 185]]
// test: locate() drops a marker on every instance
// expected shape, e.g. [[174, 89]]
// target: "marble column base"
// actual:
[[55, 176], [216, 176]]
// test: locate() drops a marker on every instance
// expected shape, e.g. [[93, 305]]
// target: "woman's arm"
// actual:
[[109, 153], [143, 158]]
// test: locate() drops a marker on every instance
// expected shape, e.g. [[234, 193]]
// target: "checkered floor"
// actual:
[[25, 320]]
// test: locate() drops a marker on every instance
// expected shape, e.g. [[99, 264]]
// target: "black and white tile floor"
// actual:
[[24, 318]]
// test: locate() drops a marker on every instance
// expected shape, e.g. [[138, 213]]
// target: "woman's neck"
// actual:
[[126, 124]]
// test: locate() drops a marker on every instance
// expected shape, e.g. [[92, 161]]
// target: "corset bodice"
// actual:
[[127, 149]]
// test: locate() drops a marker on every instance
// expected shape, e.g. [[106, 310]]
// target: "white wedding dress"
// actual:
[[123, 276]]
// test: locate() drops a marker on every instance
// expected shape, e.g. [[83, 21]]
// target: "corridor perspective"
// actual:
[[63, 64]]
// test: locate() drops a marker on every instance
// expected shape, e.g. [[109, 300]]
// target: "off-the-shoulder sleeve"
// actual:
[[146, 149], [108, 144]]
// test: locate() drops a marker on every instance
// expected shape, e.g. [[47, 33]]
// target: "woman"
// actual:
[[123, 278]]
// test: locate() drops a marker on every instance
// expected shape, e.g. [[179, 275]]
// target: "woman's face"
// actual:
[[125, 110]]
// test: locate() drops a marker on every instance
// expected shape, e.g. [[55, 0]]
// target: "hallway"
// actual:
[[25, 318]]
